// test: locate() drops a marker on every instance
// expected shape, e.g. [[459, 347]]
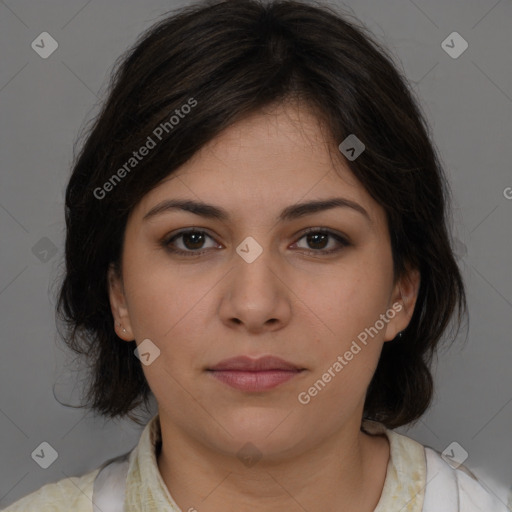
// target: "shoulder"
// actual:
[[73, 493], [445, 487], [456, 485]]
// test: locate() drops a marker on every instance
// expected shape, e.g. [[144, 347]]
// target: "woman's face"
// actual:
[[254, 283]]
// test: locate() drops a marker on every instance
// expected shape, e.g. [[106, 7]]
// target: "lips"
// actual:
[[244, 363], [254, 375]]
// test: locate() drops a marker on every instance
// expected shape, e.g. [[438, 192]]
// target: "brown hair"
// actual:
[[232, 58]]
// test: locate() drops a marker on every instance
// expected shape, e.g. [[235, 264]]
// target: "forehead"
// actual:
[[268, 160], [273, 143]]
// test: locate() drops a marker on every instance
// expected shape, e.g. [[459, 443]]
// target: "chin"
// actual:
[[264, 428]]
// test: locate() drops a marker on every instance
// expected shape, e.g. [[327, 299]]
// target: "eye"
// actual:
[[192, 240], [318, 238]]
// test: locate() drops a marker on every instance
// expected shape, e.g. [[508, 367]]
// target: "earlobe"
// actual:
[[120, 325], [118, 307], [403, 302]]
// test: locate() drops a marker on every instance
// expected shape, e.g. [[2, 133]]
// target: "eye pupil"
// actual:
[[316, 237], [199, 239]]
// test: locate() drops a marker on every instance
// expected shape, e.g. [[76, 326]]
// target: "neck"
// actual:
[[345, 472]]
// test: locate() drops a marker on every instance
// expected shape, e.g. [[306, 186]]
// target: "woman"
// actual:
[[257, 237]]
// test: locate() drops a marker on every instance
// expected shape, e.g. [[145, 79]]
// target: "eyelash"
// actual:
[[166, 242]]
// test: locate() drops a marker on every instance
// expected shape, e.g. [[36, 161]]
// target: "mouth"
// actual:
[[255, 375]]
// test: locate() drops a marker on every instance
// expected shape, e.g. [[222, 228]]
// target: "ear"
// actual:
[[403, 301], [118, 304]]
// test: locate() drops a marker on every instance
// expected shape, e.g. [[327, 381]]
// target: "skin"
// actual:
[[304, 308]]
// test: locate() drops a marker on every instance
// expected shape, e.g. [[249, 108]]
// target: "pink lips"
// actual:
[[248, 374]]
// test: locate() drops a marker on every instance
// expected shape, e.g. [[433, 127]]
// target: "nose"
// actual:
[[255, 296]]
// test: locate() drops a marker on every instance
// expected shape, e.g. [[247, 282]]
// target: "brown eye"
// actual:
[[191, 242], [318, 241], [193, 239]]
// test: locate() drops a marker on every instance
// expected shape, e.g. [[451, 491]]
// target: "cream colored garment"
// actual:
[[146, 491], [69, 494]]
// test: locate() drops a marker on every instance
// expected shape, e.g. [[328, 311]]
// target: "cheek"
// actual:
[[164, 298], [172, 310], [351, 297]]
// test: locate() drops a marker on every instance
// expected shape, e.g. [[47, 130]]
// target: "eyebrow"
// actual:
[[289, 213]]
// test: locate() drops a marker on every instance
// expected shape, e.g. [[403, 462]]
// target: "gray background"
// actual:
[[45, 102]]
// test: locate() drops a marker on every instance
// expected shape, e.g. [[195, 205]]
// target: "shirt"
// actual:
[[146, 491]]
